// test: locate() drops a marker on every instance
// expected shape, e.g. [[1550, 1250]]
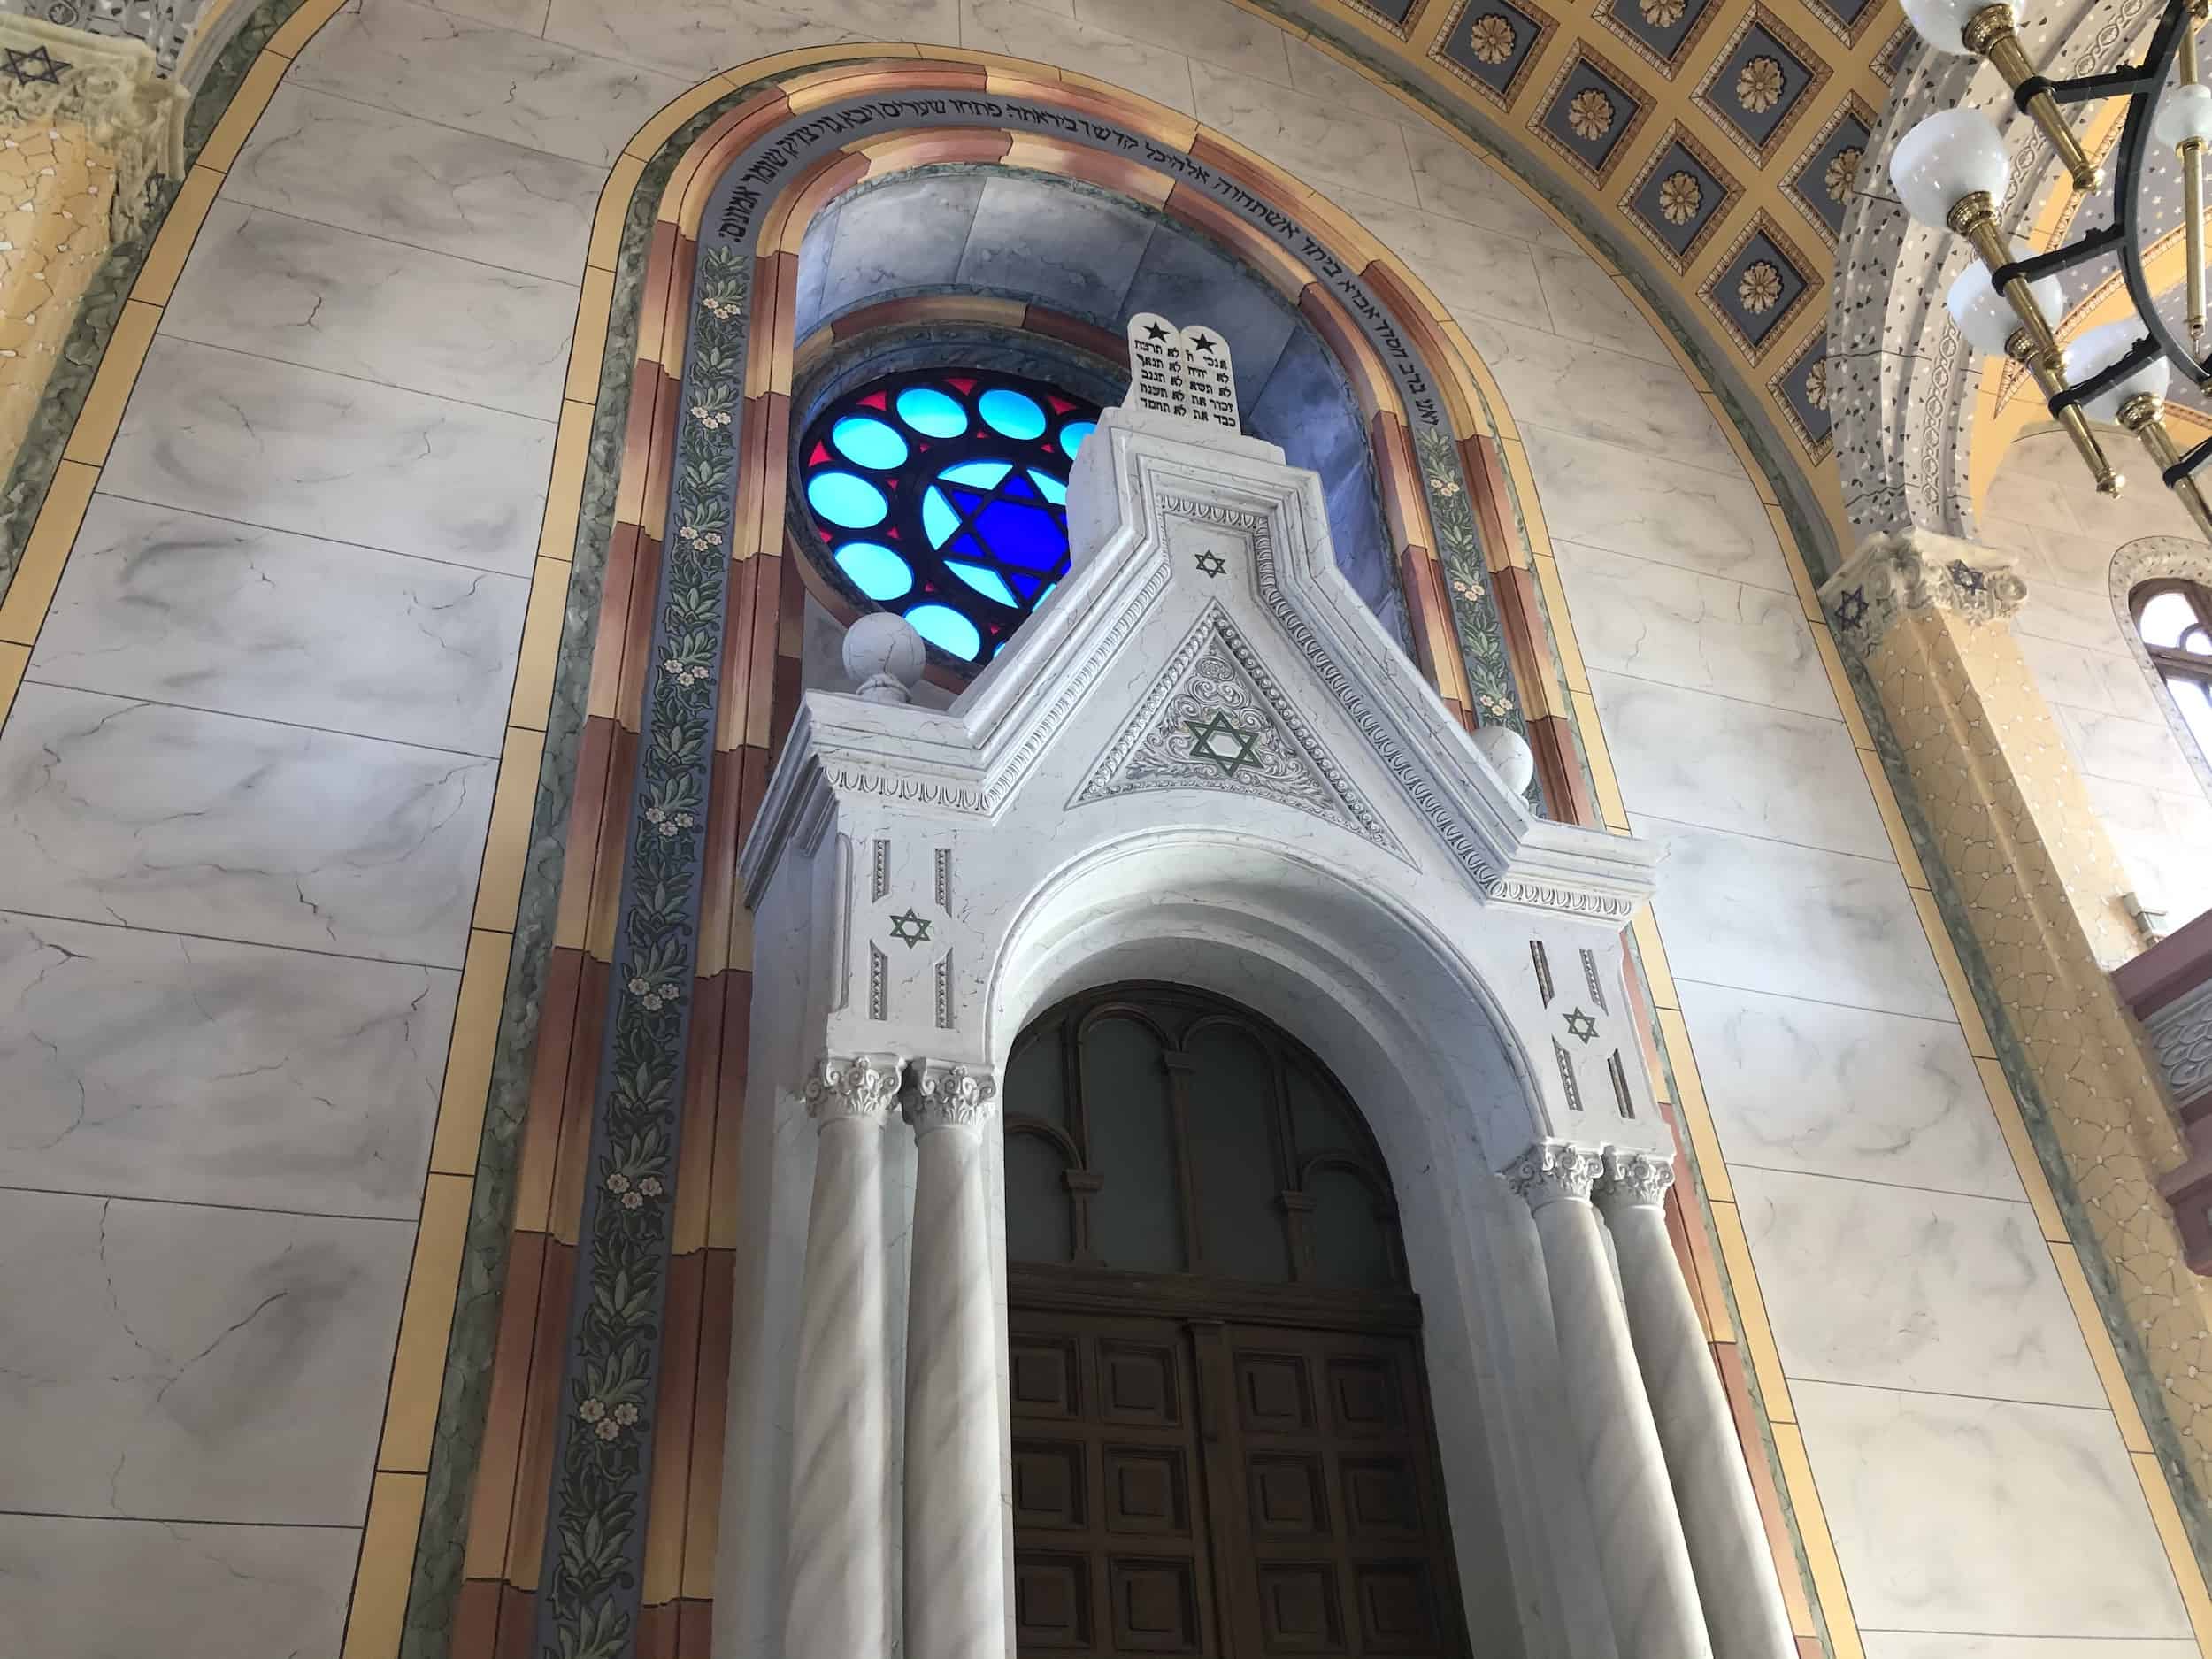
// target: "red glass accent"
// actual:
[[964, 386], [821, 453], [1060, 405], [876, 400]]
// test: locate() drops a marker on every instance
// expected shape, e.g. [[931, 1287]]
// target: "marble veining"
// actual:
[[1593, 392], [1651, 508], [1727, 778], [193, 1364], [293, 448], [1469, 268], [1701, 632], [174, 607], [110, 1589], [1022, 30], [1827, 1090], [1211, 32], [1894, 1644], [1096, 245], [1449, 181], [287, 288], [1897, 1287], [485, 79], [687, 38], [1323, 142], [195, 822], [1766, 916], [1926, 1496], [361, 168], [151, 1065]]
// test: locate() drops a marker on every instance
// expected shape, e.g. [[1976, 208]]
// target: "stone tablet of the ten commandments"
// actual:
[[1183, 372]]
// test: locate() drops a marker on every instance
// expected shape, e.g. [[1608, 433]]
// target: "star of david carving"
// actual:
[[911, 929], [1220, 742], [1211, 564], [1969, 579], [1851, 609], [1582, 1026], [32, 67], [1202, 342], [1153, 331]]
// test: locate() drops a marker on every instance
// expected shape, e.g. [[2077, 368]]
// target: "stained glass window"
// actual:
[[943, 495]]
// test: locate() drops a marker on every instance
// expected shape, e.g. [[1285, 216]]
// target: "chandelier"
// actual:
[[1950, 172]]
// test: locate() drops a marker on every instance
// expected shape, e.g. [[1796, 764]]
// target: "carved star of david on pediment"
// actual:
[[911, 929], [1211, 564], [1222, 743], [1582, 1024], [32, 68], [1217, 719]]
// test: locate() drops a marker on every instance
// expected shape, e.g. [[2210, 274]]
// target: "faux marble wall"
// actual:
[[2042, 511], [244, 787]]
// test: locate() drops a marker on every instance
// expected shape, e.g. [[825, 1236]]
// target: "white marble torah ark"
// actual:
[[1201, 761]]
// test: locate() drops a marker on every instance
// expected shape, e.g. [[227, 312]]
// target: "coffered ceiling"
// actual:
[[1719, 140]]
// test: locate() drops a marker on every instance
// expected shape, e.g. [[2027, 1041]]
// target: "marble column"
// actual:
[[955, 1567], [1642, 1557], [1744, 1614], [837, 1550]]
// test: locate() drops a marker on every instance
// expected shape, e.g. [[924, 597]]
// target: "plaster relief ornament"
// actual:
[[1181, 372], [1214, 718]]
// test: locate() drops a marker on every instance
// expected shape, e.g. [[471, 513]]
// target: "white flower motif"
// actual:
[[606, 1428], [618, 1182], [1491, 40], [1680, 195], [1843, 167], [651, 1185], [592, 1410], [1758, 288], [1662, 14], [1815, 384], [1759, 85], [626, 1413], [640, 987], [632, 1200], [1590, 115]]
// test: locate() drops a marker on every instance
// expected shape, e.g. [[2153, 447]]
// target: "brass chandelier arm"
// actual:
[[2145, 416], [1990, 33]]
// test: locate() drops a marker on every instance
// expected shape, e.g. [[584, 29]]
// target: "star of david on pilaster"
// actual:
[[1220, 742], [1582, 1024], [33, 67], [1211, 564], [911, 929]]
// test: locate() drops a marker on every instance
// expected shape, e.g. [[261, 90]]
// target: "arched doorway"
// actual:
[[1222, 1434]]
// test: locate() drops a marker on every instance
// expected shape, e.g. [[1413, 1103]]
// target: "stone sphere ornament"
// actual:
[[885, 657], [1509, 755]]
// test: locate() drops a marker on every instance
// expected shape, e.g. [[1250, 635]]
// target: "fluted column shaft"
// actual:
[[955, 1568], [1744, 1614], [837, 1550], [1641, 1555]]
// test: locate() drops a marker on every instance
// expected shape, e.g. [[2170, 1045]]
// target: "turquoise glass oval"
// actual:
[[1014, 413], [866, 442], [932, 413], [948, 630], [875, 569], [846, 499]]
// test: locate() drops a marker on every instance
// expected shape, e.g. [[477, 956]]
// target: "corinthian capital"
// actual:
[[1553, 1170], [862, 1086], [946, 1095], [1635, 1178]]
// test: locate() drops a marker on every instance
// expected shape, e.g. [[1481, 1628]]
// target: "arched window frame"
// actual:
[[2175, 665]]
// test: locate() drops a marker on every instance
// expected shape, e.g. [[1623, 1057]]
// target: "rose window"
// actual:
[[943, 497]]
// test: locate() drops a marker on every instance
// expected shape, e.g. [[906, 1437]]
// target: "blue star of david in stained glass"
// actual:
[[943, 495]]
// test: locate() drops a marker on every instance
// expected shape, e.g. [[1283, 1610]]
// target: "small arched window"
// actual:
[[2174, 618], [1155, 1129]]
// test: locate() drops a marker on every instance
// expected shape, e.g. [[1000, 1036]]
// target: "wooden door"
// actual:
[[1349, 1549], [1230, 1490], [1109, 1514]]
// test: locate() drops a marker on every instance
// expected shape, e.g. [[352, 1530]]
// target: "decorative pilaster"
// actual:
[[837, 1553], [1744, 1615], [1926, 616], [1641, 1554], [85, 126], [955, 1567]]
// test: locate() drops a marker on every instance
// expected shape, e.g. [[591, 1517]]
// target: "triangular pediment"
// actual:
[[1216, 718]]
